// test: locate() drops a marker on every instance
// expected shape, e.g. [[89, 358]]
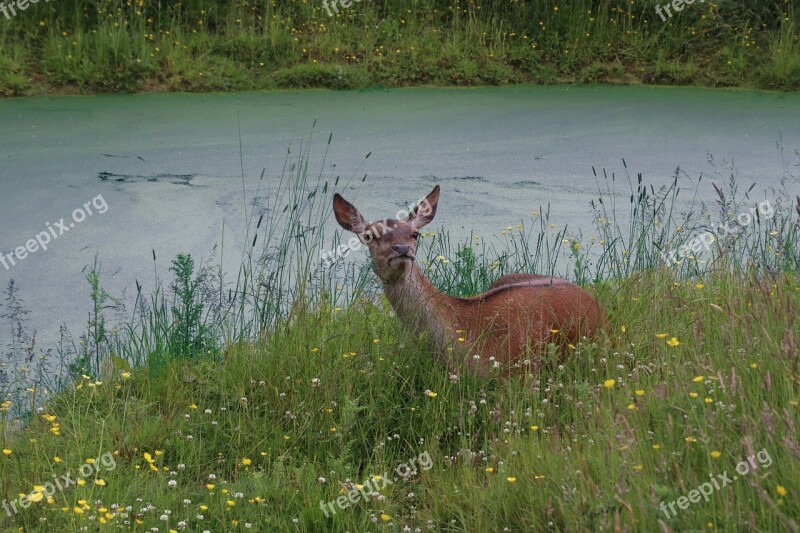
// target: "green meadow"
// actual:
[[76, 46], [249, 402]]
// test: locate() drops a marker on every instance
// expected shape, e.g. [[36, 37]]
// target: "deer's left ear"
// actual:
[[423, 213]]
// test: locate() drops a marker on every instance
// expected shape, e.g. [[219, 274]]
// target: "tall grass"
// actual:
[[74, 45], [249, 401]]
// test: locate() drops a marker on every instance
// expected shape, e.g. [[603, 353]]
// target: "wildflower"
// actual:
[[246, 461], [781, 490], [100, 482], [661, 335], [609, 383], [534, 428], [622, 328], [430, 394], [6, 451], [673, 342], [385, 517], [489, 469], [698, 379], [638, 468], [35, 496], [716, 454], [126, 375], [639, 392], [511, 479]]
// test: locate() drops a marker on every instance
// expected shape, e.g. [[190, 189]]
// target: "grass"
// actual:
[[74, 46], [227, 406]]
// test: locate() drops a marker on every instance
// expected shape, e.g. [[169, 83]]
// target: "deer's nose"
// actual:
[[401, 249]]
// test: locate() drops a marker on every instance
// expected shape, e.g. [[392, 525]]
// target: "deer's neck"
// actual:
[[422, 309]]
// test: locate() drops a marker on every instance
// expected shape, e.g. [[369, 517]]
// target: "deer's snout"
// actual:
[[401, 249]]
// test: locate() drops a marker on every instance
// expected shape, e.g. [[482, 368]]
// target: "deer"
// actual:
[[519, 315]]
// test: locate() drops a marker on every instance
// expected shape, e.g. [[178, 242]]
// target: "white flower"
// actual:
[[172, 483]]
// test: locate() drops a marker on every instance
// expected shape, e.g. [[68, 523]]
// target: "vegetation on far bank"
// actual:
[[75, 46]]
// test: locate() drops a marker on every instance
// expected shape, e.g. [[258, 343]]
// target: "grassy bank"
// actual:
[[245, 404], [73, 46]]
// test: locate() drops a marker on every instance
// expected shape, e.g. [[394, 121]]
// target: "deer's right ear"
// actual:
[[347, 215]]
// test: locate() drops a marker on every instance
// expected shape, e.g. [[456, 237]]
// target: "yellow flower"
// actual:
[[781, 490], [631, 407], [622, 328], [638, 468], [126, 375], [693, 395], [333, 429], [100, 482], [716, 454], [431, 394], [661, 335], [230, 503], [511, 479], [698, 379], [246, 461], [691, 439], [673, 342], [35, 497], [489, 469], [656, 446], [609, 383], [6, 451], [77, 510], [81, 482], [210, 486], [89, 461], [639, 392], [708, 400], [699, 285], [385, 517], [534, 428], [204, 508]]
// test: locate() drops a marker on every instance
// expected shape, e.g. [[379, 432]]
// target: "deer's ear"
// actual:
[[347, 215], [423, 213]]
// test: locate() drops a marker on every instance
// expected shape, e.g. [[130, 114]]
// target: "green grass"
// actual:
[[69, 46], [260, 398]]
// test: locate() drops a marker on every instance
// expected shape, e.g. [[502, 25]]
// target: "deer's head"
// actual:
[[392, 243]]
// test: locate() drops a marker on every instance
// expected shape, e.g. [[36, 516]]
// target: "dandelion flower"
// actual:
[[609, 383], [781, 490]]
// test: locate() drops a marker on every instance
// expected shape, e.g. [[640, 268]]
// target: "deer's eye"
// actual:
[[416, 235]]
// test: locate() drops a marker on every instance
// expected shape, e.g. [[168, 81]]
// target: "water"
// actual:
[[171, 169]]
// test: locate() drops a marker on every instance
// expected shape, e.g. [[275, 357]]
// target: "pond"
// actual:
[[168, 173]]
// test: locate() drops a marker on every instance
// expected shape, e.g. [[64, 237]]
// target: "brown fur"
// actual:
[[518, 314]]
